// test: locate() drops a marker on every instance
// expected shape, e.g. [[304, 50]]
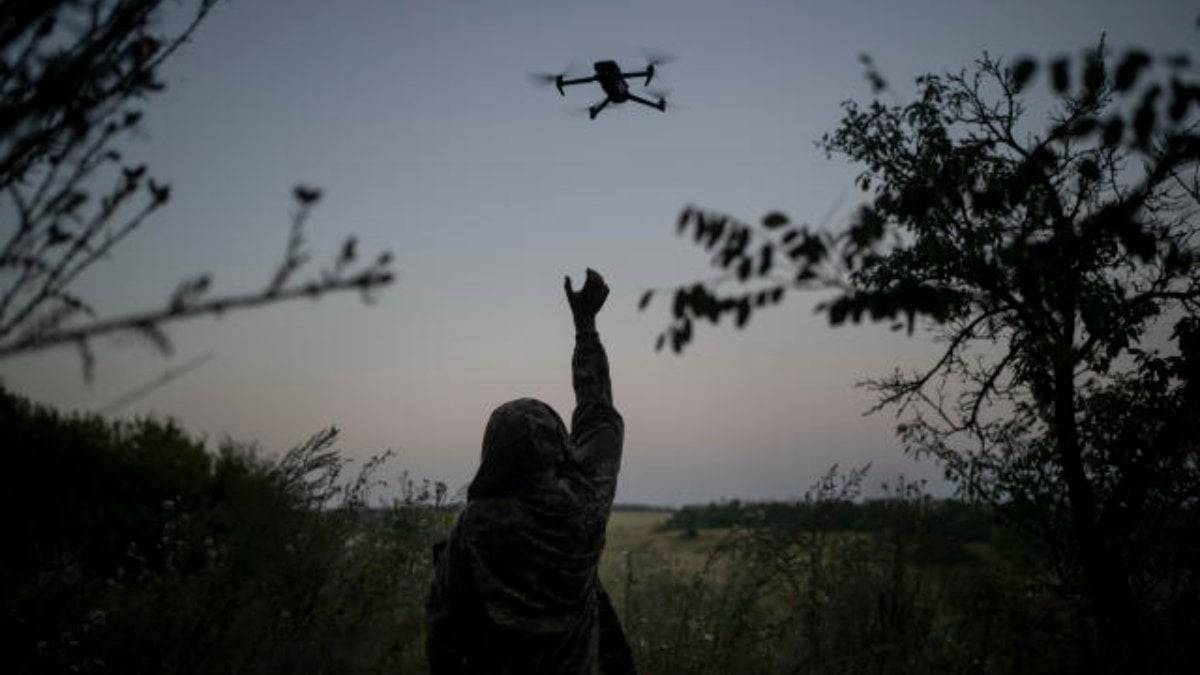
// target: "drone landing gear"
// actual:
[[595, 110]]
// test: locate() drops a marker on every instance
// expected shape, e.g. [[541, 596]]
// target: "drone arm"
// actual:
[[661, 105], [595, 110], [580, 80], [647, 73]]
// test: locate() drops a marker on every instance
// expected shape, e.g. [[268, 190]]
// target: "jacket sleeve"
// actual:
[[597, 430]]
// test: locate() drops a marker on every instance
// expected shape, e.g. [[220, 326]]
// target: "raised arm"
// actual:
[[597, 431]]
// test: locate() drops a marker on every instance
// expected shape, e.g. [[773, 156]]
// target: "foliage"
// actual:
[[1048, 263], [785, 596], [952, 519], [131, 548], [74, 75]]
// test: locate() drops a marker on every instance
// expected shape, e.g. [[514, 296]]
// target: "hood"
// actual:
[[524, 445]]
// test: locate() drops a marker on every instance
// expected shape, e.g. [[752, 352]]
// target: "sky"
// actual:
[[420, 125]]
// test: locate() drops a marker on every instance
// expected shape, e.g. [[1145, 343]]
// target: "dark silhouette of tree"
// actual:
[[74, 75], [1044, 257]]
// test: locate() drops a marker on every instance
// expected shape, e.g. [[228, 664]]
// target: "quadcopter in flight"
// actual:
[[613, 82]]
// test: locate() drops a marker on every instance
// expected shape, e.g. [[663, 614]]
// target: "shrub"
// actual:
[[134, 549]]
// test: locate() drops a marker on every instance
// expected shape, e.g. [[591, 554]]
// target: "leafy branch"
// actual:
[[72, 76], [189, 299]]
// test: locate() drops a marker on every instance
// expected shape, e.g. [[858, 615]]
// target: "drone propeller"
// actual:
[[547, 79], [656, 57], [543, 79]]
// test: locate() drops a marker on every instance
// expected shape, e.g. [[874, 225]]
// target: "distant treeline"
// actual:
[[952, 519], [642, 508]]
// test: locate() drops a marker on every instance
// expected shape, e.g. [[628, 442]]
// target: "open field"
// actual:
[[640, 559], [634, 536]]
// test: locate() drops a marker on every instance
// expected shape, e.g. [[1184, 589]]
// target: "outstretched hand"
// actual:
[[587, 301]]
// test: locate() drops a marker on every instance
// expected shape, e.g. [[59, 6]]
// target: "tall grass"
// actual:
[[807, 595], [135, 550]]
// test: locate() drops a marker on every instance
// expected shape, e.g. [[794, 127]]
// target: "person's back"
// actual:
[[515, 587]]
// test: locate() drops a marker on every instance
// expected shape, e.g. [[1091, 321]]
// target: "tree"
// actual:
[[74, 75], [1045, 259]]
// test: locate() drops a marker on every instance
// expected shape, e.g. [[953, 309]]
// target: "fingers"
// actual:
[[592, 285]]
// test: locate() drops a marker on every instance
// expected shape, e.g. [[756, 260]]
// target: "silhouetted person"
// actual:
[[515, 588]]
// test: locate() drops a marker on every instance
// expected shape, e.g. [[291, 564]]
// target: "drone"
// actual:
[[613, 82]]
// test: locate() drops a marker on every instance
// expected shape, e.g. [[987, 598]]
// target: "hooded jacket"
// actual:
[[515, 586]]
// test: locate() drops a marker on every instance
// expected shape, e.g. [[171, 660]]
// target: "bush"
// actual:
[[832, 584], [134, 549]]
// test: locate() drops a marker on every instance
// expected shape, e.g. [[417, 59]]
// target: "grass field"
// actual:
[[652, 574], [634, 536]]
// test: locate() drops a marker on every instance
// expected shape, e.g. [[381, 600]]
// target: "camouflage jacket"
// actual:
[[515, 587]]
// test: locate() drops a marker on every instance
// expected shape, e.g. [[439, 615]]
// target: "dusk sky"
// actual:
[[420, 125]]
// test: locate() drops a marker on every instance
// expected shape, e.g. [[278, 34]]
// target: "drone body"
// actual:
[[613, 82]]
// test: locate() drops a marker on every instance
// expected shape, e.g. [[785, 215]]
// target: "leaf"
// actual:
[[1093, 75], [306, 195], [1113, 131], [684, 216], [1181, 97], [349, 251], [645, 301], [774, 220], [837, 310], [715, 230], [1089, 170], [744, 269], [159, 193], [1021, 72], [1084, 126], [684, 332], [743, 313], [1143, 119], [1131, 66], [1136, 239], [766, 259], [1060, 74]]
